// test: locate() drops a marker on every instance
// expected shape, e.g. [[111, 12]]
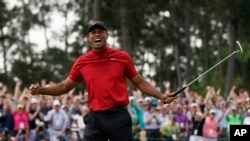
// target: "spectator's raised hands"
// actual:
[[4, 90], [137, 94], [167, 85], [43, 82], [218, 92], [232, 93]]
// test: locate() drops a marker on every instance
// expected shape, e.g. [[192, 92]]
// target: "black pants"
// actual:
[[153, 134], [112, 125]]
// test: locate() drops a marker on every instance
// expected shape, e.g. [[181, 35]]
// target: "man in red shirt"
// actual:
[[104, 71]]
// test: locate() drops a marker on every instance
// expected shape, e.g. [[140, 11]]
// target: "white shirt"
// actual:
[[59, 119], [246, 121]]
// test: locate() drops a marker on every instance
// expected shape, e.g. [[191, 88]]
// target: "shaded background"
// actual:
[[168, 39]]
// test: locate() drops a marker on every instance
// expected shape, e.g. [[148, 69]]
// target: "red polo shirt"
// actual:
[[104, 73]]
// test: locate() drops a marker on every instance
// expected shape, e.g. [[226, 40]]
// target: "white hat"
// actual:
[[148, 98], [75, 117], [212, 111], [33, 100], [248, 99], [193, 105], [131, 98], [234, 108], [178, 105], [56, 102], [248, 110]]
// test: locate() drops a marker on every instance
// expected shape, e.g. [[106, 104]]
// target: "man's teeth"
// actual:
[[97, 40]]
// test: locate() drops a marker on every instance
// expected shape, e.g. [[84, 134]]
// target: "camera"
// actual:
[[23, 131], [40, 129]]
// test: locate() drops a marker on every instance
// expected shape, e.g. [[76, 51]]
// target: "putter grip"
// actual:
[[176, 93]]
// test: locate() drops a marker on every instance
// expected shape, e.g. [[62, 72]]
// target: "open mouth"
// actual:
[[97, 41]]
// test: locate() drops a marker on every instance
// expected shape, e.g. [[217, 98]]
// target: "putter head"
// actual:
[[241, 50]]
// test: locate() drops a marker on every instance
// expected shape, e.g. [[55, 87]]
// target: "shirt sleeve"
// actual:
[[66, 119], [48, 116], [75, 73], [130, 69]]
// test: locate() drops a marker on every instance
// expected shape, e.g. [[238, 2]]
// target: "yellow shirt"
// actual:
[[168, 129]]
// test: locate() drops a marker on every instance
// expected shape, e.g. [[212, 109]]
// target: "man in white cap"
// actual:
[[57, 120], [210, 127], [35, 115]]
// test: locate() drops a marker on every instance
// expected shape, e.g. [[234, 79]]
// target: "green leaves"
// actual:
[[147, 31]]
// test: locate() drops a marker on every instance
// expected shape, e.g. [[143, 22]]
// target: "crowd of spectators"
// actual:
[[24, 117], [191, 117]]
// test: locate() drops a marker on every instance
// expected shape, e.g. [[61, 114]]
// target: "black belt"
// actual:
[[111, 110]]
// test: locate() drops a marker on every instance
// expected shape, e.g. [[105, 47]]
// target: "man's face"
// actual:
[[97, 38], [57, 107]]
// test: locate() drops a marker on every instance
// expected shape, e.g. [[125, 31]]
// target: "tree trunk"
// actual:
[[44, 25], [97, 9], [233, 30], [126, 41], [177, 65], [187, 43], [206, 58], [4, 55]]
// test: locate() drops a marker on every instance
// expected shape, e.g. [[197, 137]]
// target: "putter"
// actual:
[[187, 85]]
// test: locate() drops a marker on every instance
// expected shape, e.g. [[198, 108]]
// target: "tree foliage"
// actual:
[[162, 36]]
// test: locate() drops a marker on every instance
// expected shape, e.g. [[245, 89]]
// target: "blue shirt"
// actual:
[[140, 114], [59, 119]]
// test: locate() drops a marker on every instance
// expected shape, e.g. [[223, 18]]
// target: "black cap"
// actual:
[[100, 24], [174, 117]]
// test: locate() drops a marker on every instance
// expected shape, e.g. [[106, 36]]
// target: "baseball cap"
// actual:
[[148, 99], [56, 103], [26, 96], [248, 99], [131, 98], [20, 106], [100, 24], [212, 111], [174, 117], [248, 110], [178, 106], [33, 100], [193, 105], [234, 108]]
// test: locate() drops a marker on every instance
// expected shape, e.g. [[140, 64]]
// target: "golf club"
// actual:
[[185, 86]]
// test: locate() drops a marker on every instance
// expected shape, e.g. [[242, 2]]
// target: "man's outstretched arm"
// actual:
[[150, 90], [55, 89]]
